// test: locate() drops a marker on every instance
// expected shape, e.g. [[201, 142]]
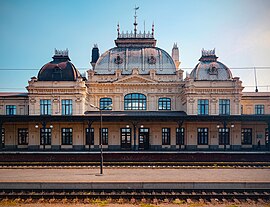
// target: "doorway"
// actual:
[[126, 138], [143, 138]]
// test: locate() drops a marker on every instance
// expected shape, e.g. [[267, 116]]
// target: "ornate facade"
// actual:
[[138, 90]]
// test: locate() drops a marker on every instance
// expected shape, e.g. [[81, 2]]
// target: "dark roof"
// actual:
[[135, 116], [60, 69], [13, 94]]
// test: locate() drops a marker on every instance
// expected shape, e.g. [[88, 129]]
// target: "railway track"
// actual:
[[258, 197], [180, 165]]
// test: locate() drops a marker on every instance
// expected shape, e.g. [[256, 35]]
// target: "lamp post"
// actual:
[[100, 139]]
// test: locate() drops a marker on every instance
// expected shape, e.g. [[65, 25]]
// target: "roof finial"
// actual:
[[256, 84], [118, 30], [153, 29], [135, 21]]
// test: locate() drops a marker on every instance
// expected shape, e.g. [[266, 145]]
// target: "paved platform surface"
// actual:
[[135, 179]]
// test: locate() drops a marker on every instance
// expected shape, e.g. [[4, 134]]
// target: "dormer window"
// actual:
[[57, 73]]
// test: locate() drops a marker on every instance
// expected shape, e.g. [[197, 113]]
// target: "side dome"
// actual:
[[210, 69], [60, 69]]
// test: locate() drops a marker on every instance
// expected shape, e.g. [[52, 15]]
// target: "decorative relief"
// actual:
[[213, 70], [191, 100], [33, 100], [118, 60], [152, 60]]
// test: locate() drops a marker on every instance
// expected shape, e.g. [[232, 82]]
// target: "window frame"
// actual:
[[246, 136], [66, 136], [45, 107], [126, 138], [135, 99], [104, 103], [66, 106], [3, 137], [23, 136], [105, 136], [224, 107], [202, 136], [223, 136], [180, 136], [259, 109], [166, 136], [203, 107], [48, 136], [11, 110], [164, 103], [266, 137], [89, 141]]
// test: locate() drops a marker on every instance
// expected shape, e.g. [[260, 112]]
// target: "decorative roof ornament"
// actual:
[[118, 30], [208, 56], [60, 52], [135, 21], [153, 29], [208, 52]]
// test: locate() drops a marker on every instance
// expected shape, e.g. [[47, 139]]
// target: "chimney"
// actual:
[[95, 55]]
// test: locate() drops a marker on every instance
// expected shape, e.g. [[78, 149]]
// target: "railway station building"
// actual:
[[135, 98]]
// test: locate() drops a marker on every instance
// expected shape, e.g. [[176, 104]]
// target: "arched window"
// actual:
[[135, 101], [104, 103], [164, 104]]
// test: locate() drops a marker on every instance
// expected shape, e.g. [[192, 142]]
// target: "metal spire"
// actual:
[[118, 29], [135, 21]]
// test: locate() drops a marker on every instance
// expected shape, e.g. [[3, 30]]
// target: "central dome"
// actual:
[[130, 57]]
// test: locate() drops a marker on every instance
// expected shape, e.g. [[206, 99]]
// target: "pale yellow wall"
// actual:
[[213, 91], [20, 103], [56, 91], [250, 99]]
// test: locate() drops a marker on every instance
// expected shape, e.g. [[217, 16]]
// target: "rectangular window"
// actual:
[[166, 136], [246, 136], [105, 104], [105, 135], [3, 138], [224, 107], [45, 136], [22, 136], [259, 109], [180, 134], [203, 107], [66, 107], [224, 136], [89, 136], [66, 136], [202, 136], [266, 137], [164, 104], [10, 110], [45, 107]]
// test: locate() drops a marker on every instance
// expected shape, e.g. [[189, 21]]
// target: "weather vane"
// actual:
[[135, 22]]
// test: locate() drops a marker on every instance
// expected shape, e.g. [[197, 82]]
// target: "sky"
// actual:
[[30, 30]]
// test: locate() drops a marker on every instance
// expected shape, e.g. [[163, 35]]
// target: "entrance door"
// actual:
[[126, 138], [144, 138]]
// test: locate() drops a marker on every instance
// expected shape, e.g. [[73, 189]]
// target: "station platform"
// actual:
[[134, 179]]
